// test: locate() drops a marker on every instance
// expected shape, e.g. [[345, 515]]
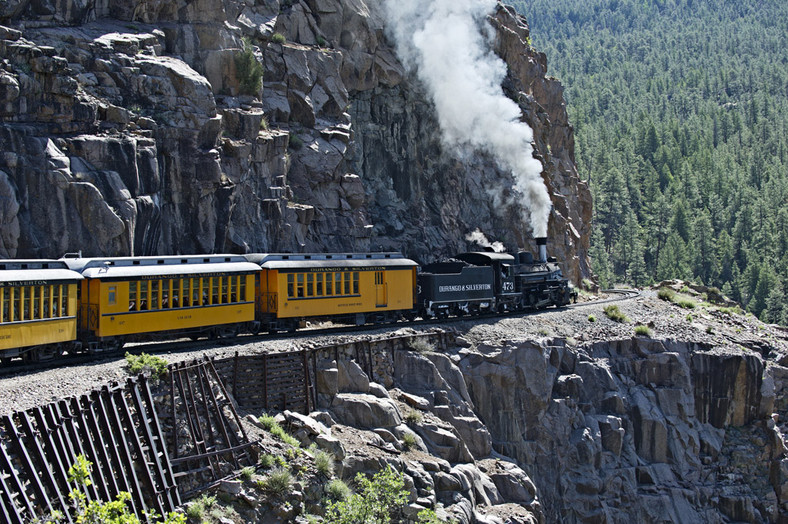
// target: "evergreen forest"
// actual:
[[680, 109]]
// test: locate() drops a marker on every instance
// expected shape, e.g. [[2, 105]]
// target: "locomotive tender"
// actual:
[[79, 304]]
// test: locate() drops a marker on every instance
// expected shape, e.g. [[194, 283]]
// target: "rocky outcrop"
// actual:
[[640, 430], [443, 450], [132, 129], [549, 430]]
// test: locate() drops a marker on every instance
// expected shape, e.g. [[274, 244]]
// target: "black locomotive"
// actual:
[[479, 282]]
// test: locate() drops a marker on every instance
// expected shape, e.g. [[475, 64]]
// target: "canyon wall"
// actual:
[[135, 128]]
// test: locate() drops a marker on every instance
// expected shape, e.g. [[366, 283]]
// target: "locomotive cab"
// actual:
[[539, 280]]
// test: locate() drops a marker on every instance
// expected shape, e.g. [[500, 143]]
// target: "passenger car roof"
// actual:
[[30, 270], [329, 260], [131, 267]]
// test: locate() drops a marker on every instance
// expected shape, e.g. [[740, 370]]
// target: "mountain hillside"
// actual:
[[680, 112]]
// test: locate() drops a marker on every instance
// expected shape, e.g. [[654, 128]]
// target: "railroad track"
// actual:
[[19, 367]]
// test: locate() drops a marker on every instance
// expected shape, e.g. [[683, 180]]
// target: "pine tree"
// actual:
[[776, 309], [674, 260], [600, 263], [766, 283], [706, 264]]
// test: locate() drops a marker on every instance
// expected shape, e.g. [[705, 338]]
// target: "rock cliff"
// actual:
[[685, 426], [135, 128]]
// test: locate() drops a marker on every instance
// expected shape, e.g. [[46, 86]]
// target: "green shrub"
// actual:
[[377, 500], [112, 512], [615, 314], [324, 463], [264, 124], [148, 364], [689, 317], [250, 71], [197, 509], [279, 482], [337, 490], [428, 516], [266, 461], [278, 38], [591, 318], [643, 331], [709, 330], [714, 295], [321, 41]]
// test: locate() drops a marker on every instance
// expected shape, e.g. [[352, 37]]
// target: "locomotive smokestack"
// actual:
[[541, 243]]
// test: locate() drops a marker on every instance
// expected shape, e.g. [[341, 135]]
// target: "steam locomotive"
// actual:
[[75, 304], [474, 283]]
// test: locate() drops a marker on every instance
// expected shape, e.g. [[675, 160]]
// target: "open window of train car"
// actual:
[[130, 296], [38, 305], [322, 285]]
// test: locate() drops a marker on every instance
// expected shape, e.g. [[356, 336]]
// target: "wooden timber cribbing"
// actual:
[[115, 428], [206, 440], [276, 381], [176, 444]]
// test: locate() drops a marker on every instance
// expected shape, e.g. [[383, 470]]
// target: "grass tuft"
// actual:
[[324, 463], [273, 427], [666, 294], [337, 490], [278, 483], [408, 441], [414, 418], [421, 345], [615, 314]]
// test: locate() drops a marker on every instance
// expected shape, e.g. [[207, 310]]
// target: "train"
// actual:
[[94, 304]]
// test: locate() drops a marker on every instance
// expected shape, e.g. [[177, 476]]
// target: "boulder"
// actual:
[[365, 411], [351, 378]]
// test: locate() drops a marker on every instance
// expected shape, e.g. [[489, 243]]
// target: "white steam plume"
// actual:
[[449, 44], [477, 237]]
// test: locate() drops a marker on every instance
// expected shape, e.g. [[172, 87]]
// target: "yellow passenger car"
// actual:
[[360, 287], [38, 308], [121, 298]]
